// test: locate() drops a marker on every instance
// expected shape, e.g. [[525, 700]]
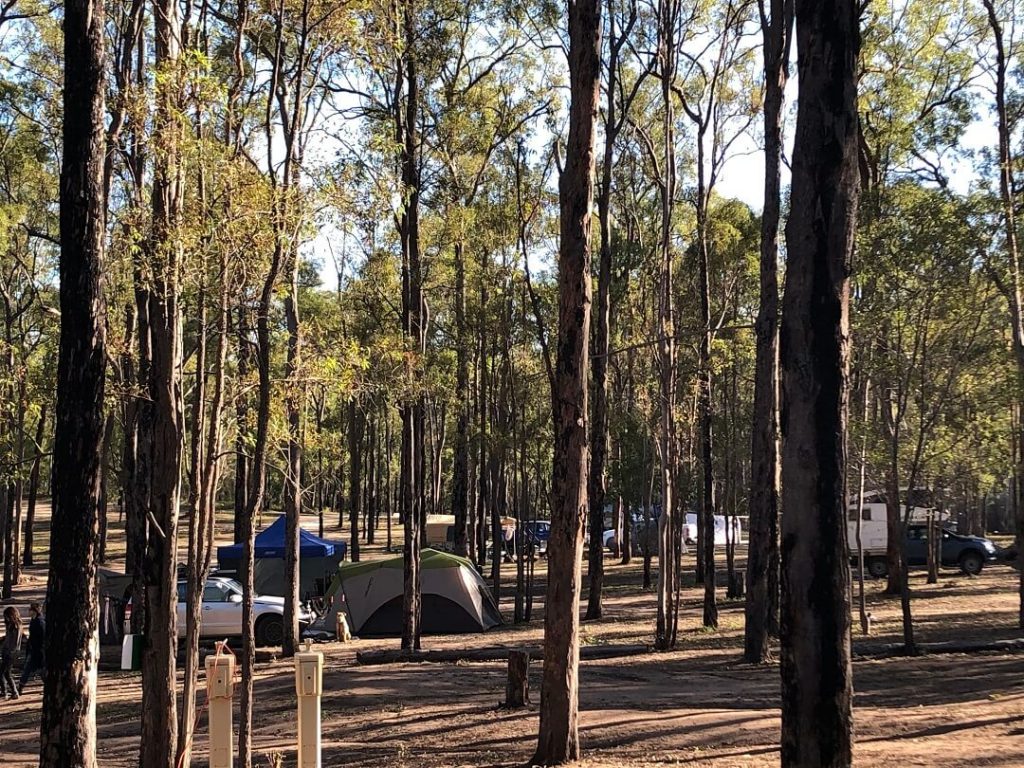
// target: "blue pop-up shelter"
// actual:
[[318, 560]]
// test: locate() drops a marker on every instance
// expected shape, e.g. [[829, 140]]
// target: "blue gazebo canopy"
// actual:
[[270, 544]]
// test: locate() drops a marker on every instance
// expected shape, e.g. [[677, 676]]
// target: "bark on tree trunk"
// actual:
[[707, 512], [33, 490], [602, 332], [865, 626], [1007, 189], [764, 450], [893, 549], [294, 405], [517, 691], [646, 543], [137, 518], [205, 476], [412, 311], [668, 567], [159, 703], [108, 440], [483, 495], [460, 479], [68, 728], [355, 457], [242, 463], [558, 739], [254, 499], [817, 684]]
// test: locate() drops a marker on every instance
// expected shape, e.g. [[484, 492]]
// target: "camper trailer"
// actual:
[[721, 530], [874, 533], [441, 531]]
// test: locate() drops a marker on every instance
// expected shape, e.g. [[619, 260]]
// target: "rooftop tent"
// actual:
[[455, 598], [318, 560]]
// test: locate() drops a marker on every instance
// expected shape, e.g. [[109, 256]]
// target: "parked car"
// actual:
[[222, 613], [537, 533], [968, 553]]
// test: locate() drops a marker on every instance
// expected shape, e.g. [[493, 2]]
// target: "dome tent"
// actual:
[[456, 599]]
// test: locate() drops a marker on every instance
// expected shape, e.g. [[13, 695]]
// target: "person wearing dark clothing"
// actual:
[[34, 657], [9, 649]]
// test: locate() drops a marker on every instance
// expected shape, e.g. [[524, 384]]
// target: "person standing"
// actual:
[[9, 649], [34, 658]]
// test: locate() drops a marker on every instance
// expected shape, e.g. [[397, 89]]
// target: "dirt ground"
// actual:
[[697, 706]]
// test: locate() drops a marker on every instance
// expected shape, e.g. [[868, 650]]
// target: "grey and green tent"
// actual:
[[455, 599]]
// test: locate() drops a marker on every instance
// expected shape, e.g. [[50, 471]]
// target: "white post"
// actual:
[[309, 677], [220, 685]]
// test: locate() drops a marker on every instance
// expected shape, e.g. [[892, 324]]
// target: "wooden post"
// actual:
[[517, 692]]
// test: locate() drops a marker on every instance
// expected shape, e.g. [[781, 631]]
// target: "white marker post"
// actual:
[[220, 688], [309, 678]]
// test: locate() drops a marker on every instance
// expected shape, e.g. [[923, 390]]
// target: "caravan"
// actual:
[[721, 529], [968, 553]]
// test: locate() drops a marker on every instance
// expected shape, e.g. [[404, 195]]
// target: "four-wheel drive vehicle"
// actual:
[[222, 612], [537, 533], [968, 553]]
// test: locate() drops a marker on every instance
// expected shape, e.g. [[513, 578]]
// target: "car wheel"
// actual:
[[971, 563], [270, 631], [878, 568]]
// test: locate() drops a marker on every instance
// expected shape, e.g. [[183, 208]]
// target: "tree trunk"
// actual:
[[68, 728], [137, 520], [1007, 190], [763, 536], [159, 704], [6, 530], [242, 463], [934, 530], [558, 739], [817, 682], [355, 471], [108, 440], [294, 406], [645, 544], [602, 335], [412, 306], [865, 626], [460, 477], [254, 499], [371, 497], [205, 476], [517, 691], [668, 567], [389, 457], [33, 490], [707, 511], [19, 488], [894, 541], [483, 496]]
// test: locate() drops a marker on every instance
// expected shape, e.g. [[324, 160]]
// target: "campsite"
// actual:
[[529, 383], [700, 705]]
